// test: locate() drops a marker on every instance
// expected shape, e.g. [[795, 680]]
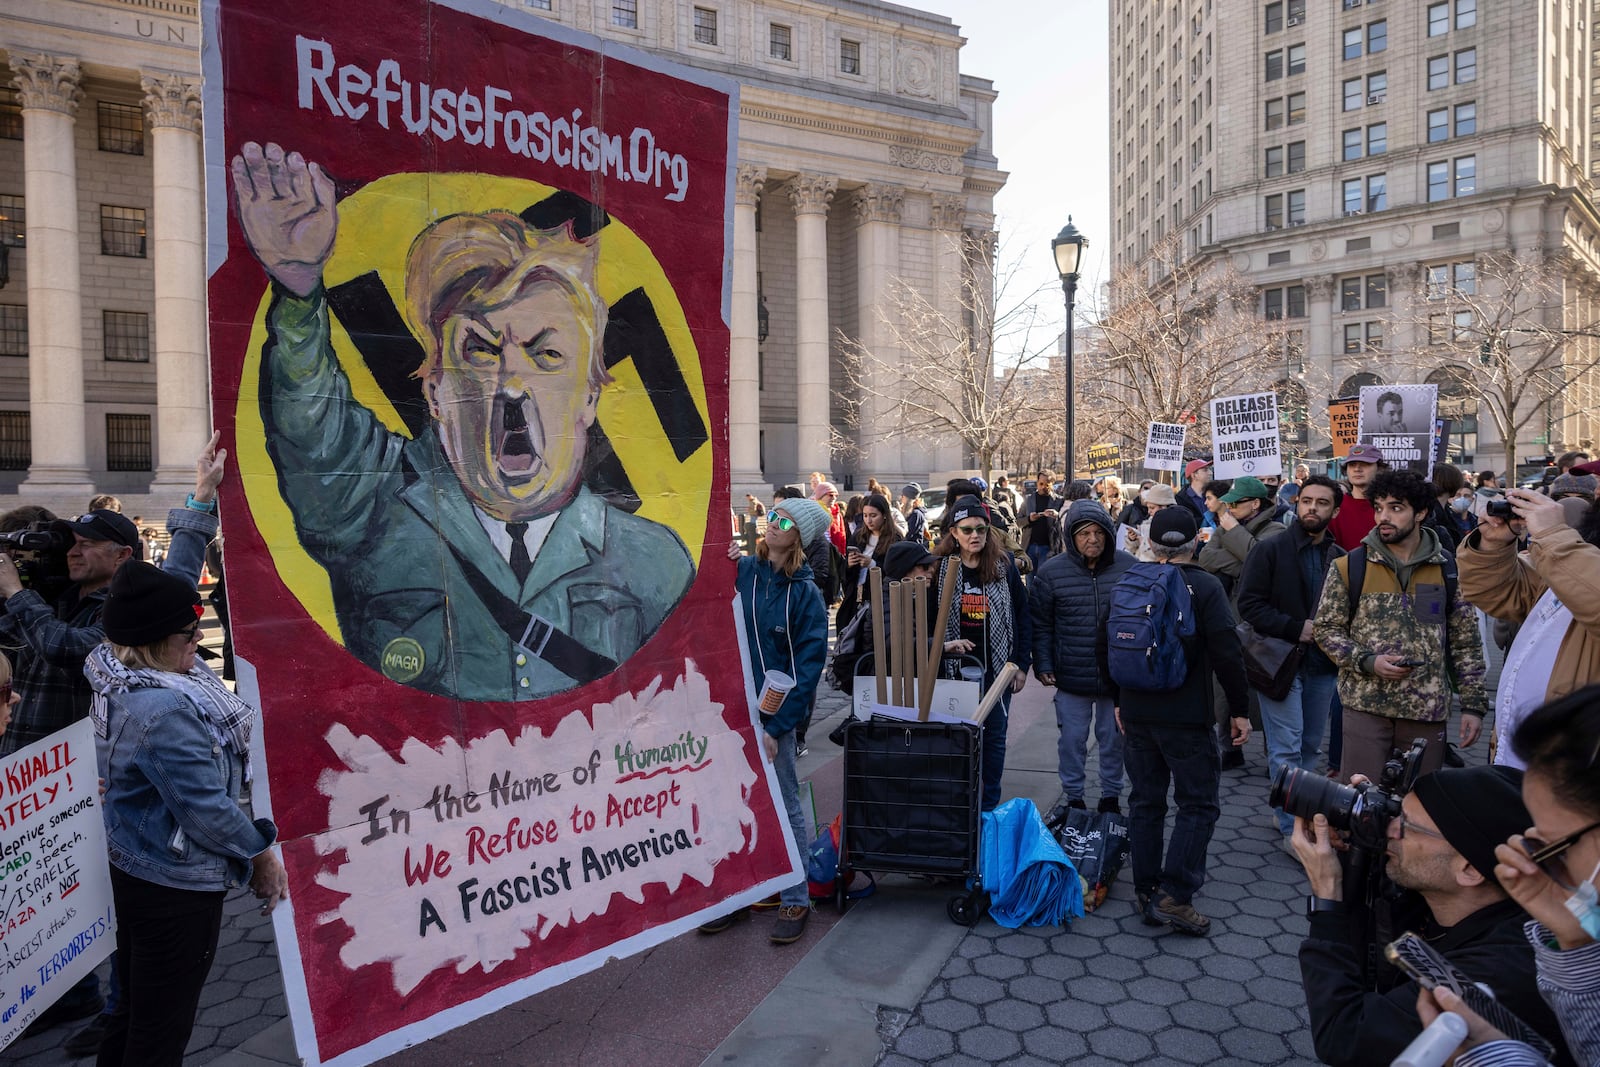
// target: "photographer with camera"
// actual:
[[1439, 842], [1553, 877], [50, 640], [1392, 620], [1552, 592]]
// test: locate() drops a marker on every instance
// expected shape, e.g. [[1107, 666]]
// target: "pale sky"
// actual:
[[1047, 59]]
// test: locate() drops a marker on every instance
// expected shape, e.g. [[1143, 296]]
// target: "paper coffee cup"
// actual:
[[773, 690], [972, 674]]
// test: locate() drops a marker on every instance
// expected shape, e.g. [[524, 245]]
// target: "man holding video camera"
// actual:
[[1439, 842]]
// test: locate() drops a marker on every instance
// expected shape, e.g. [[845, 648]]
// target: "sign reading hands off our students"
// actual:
[[468, 314], [1244, 435]]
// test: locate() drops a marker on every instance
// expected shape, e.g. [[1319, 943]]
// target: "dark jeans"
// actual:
[[166, 940], [994, 747], [1336, 732], [1184, 757], [1037, 554]]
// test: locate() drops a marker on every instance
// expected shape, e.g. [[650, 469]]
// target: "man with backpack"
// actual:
[[1169, 631], [1393, 621]]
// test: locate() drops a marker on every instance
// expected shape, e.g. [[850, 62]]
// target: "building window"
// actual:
[[1274, 18], [850, 59], [1352, 338], [538, 5], [779, 45], [10, 114], [1295, 207], [1350, 194], [1274, 69], [1438, 72], [1286, 302], [1377, 290], [1438, 19], [705, 25], [13, 330], [1275, 162], [1466, 13], [1352, 94], [1438, 125], [1352, 144], [1377, 138], [128, 443], [1466, 118], [1352, 43], [122, 231], [1297, 108], [1438, 182], [1278, 259], [1275, 113], [1377, 87], [1274, 211], [127, 336], [1377, 36], [1466, 175], [625, 13], [1374, 336], [1377, 192], [13, 221], [1297, 62], [121, 128], [1349, 295], [1466, 66], [1297, 156], [16, 441]]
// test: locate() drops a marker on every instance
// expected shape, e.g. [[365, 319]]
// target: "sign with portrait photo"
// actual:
[[469, 343], [1398, 420]]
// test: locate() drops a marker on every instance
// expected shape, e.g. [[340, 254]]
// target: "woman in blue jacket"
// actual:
[[990, 610], [786, 626], [173, 747]]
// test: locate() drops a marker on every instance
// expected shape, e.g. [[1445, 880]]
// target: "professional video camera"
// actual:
[[40, 552], [1363, 811]]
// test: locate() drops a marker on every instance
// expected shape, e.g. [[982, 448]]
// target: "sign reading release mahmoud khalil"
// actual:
[[1244, 435]]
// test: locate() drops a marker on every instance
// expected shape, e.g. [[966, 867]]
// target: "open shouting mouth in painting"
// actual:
[[518, 443]]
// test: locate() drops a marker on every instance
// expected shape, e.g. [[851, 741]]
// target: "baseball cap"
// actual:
[[1247, 488], [1364, 454], [1173, 527], [1195, 465], [103, 525]]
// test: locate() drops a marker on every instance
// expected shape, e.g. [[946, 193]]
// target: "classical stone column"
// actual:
[[810, 194], [948, 213], [1322, 348], [744, 385], [877, 214], [50, 90], [1407, 321], [183, 417]]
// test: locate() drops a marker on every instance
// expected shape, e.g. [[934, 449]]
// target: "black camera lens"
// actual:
[[1305, 793], [1500, 508]]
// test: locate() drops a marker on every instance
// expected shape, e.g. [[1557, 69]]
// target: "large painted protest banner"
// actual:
[[468, 309], [1399, 421], [1244, 435], [56, 921]]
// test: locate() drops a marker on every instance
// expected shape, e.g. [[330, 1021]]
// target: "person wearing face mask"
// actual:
[[1551, 871]]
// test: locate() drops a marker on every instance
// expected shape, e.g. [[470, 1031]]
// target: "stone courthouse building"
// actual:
[[864, 157]]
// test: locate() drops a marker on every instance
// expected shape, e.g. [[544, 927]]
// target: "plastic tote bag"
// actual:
[[1097, 844]]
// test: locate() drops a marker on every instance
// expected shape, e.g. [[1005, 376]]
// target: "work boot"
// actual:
[[1183, 918], [1147, 909], [791, 924], [716, 926]]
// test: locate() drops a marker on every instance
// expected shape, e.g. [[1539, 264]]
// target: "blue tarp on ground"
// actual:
[[1029, 878]]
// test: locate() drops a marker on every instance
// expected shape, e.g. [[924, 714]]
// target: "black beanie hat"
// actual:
[[146, 604], [1476, 809]]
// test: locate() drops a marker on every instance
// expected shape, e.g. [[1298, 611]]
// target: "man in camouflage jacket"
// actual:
[[1405, 641]]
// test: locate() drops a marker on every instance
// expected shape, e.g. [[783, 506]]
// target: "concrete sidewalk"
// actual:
[[893, 981]]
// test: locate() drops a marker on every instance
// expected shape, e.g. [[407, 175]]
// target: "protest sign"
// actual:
[[1344, 417], [1103, 459], [469, 346], [1163, 447], [56, 921], [1441, 440], [1244, 435], [1398, 420]]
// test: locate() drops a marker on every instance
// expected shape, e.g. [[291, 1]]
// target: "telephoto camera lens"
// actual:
[[1305, 793]]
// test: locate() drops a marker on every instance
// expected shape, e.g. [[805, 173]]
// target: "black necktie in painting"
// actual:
[[521, 564]]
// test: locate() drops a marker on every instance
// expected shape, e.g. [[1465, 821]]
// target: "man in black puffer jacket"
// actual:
[[1069, 599]]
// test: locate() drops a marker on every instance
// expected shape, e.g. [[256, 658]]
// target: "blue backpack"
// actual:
[[1151, 617]]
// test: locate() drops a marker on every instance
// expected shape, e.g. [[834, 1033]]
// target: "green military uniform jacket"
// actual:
[[407, 555]]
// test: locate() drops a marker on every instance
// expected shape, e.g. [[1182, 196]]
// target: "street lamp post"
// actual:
[[1068, 248]]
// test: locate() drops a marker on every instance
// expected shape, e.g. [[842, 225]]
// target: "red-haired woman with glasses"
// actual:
[[989, 610]]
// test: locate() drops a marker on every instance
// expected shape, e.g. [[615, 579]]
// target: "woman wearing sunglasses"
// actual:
[[1552, 872], [786, 627], [173, 750], [989, 610], [871, 546]]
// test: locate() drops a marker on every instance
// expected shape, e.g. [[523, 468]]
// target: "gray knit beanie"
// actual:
[[808, 516]]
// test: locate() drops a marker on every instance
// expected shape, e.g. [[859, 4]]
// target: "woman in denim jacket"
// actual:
[[173, 748]]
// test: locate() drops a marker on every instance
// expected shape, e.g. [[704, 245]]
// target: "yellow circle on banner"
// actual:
[[376, 228]]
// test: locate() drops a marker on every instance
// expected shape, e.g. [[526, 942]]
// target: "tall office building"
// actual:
[[1355, 158], [864, 159]]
